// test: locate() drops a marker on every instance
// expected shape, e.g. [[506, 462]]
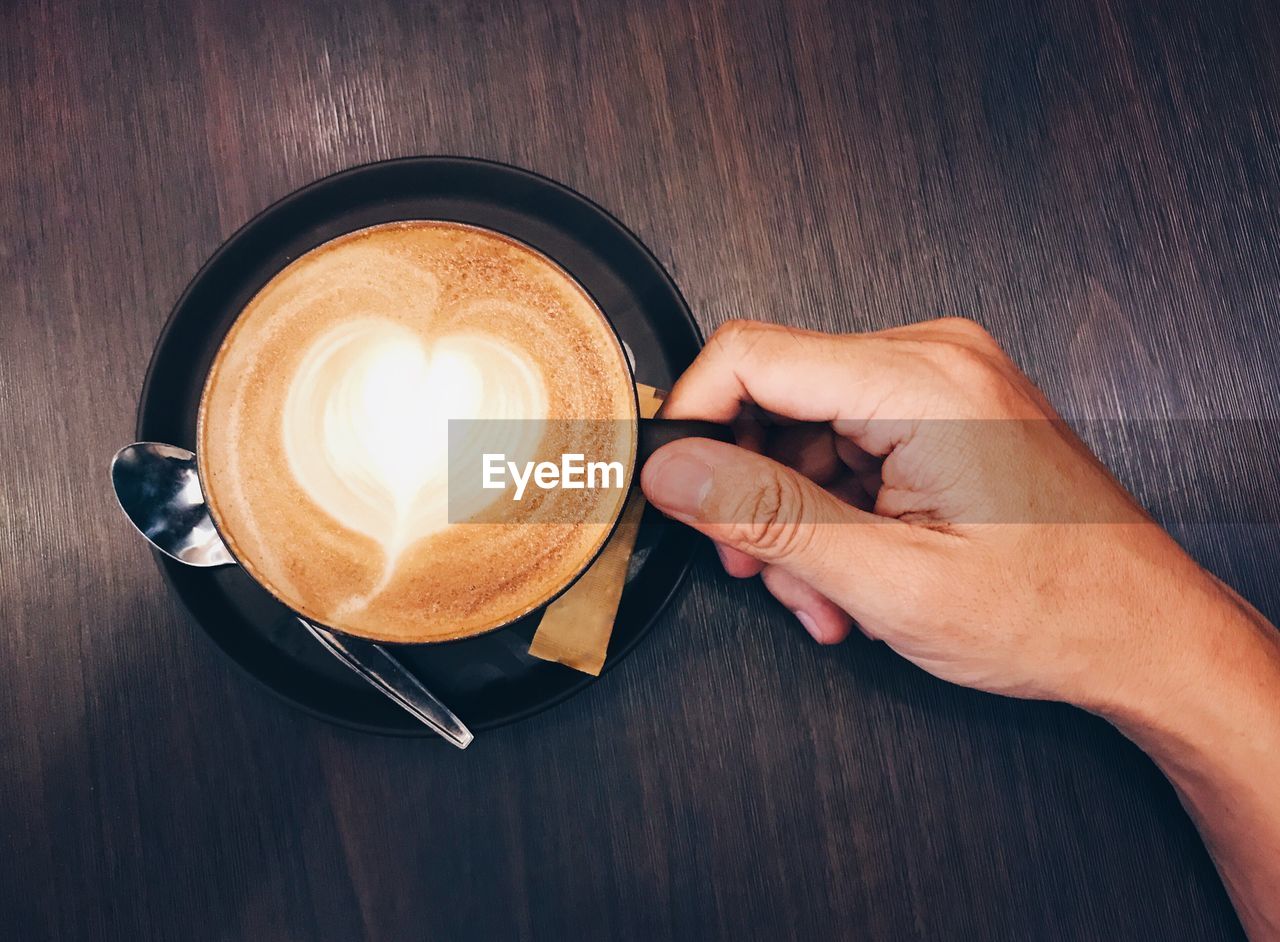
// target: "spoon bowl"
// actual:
[[158, 488]]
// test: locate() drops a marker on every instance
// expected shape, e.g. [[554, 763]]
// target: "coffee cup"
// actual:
[[337, 411]]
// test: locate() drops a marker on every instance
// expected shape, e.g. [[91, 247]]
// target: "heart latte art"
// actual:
[[324, 440], [365, 421]]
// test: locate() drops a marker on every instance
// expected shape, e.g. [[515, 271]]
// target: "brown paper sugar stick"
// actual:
[[575, 629]]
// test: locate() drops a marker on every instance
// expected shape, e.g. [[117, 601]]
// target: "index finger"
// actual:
[[813, 377]]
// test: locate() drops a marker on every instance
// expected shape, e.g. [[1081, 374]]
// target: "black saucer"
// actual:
[[489, 680]]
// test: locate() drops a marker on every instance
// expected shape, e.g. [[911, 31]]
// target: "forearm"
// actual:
[[1212, 724]]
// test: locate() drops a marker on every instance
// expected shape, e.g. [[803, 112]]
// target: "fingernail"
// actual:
[[810, 626], [680, 485]]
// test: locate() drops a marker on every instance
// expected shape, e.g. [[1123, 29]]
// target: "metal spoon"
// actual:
[[158, 488]]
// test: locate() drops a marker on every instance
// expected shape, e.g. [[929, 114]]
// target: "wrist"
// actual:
[[1212, 724], [1212, 688]]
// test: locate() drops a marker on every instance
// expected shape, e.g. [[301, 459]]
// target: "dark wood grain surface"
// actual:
[[1097, 182]]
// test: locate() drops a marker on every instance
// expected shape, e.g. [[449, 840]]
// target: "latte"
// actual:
[[324, 436]]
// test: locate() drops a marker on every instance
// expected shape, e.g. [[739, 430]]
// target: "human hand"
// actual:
[[927, 489], [920, 484]]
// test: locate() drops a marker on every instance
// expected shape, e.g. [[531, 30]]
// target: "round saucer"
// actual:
[[488, 680]]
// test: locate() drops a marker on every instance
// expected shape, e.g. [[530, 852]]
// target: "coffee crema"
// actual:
[[323, 430]]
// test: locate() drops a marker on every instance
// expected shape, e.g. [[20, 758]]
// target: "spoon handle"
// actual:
[[376, 665]]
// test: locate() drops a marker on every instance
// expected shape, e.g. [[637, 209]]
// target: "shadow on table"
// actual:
[[122, 825], [1069, 822]]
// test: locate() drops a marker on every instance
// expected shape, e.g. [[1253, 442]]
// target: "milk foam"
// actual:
[[365, 421]]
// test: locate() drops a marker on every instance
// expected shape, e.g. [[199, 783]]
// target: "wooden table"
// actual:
[[1096, 182]]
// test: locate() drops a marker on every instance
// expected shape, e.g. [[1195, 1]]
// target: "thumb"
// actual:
[[774, 514]]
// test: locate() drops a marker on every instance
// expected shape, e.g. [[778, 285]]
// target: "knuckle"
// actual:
[[772, 521], [738, 337], [732, 333], [968, 329], [967, 368]]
